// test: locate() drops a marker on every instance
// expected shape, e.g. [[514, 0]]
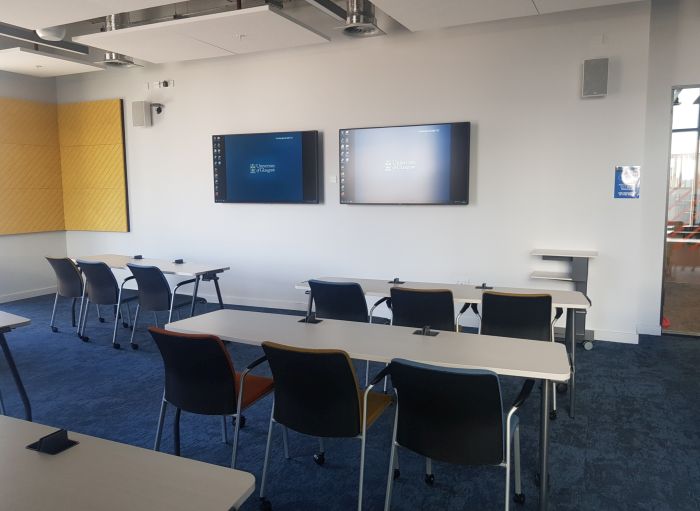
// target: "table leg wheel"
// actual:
[[134, 346], [397, 473], [320, 458], [519, 498], [265, 505], [588, 345], [562, 388], [116, 346], [553, 415], [430, 479], [54, 329]]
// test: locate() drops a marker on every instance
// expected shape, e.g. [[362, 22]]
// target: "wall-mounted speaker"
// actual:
[[594, 81], [141, 113]]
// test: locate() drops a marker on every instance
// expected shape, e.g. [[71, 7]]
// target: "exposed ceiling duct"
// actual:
[[114, 59], [52, 33], [360, 21]]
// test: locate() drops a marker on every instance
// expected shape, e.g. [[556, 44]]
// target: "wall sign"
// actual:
[[627, 181]]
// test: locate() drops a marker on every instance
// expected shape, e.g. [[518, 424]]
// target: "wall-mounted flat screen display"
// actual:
[[423, 164], [266, 167]]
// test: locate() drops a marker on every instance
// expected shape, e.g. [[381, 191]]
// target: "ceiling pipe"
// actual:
[[360, 20]]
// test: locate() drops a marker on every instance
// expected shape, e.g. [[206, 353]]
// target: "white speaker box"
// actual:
[[594, 82]]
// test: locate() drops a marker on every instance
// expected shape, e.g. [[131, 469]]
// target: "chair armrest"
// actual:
[[183, 283], [381, 301], [475, 308], [256, 363], [379, 377], [126, 280], [524, 394], [559, 313]]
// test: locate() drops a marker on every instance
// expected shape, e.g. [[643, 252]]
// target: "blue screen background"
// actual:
[[264, 167]]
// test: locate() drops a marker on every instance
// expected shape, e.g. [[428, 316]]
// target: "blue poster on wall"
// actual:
[[627, 181]]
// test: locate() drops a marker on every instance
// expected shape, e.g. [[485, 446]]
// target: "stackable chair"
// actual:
[[422, 308], [155, 295], [344, 301], [317, 394], [454, 416], [69, 285], [101, 288], [200, 378], [523, 316]]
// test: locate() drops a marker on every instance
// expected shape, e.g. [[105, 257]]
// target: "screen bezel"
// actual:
[[464, 124], [310, 168]]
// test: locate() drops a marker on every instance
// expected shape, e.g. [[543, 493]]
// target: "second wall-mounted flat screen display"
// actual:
[[422, 164], [266, 167]]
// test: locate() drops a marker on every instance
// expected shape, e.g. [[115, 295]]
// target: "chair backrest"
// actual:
[[423, 307], [154, 290], [102, 287], [524, 316], [339, 300], [316, 391], [70, 282], [450, 415], [199, 372]]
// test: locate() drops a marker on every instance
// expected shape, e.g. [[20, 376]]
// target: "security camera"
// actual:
[[158, 107]]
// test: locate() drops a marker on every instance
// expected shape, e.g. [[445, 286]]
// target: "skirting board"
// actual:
[[21, 295]]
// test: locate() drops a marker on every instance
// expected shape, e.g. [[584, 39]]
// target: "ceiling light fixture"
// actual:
[[52, 33]]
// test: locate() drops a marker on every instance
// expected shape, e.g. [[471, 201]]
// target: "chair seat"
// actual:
[[376, 404], [185, 300], [255, 388]]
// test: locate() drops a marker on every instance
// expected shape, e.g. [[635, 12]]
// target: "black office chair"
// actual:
[[423, 307], [101, 288], [155, 295], [69, 285], [317, 394], [200, 378], [454, 416], [344, 301], [523, 316]]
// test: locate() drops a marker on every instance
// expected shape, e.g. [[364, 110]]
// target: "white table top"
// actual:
[[185, 269], [9, 321], [382, 343], [462, 293], [101, 475]]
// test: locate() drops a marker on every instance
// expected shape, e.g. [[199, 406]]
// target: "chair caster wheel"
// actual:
[[134, 346], [588, 345], [397, 473], [430, 479], [102, 320], [553, 415], [54, 329], [562, 388], [519, 498], [125, 324], [84, 338], [320, 458], [242, 425], [265, 505], [116, 346]]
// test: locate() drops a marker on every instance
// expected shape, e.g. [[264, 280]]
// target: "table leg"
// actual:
[[194, 294], [544, 445], [571, 342], [15, 375], [215, 278]]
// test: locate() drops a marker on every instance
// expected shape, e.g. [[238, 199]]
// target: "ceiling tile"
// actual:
[[34, 63]]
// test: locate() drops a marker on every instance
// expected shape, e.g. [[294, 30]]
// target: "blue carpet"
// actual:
[[635, 442]]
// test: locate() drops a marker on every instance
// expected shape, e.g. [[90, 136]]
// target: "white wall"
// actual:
[[542, 163], [673, 60], [23, 270]]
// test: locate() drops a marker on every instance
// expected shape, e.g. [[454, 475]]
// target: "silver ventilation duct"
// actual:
[[111, 58], [360, 21]]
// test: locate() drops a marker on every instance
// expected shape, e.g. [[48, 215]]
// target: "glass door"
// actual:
[[681, 289]]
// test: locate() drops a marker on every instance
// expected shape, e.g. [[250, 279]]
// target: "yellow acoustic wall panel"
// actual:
[[93, 167], [31, 195]]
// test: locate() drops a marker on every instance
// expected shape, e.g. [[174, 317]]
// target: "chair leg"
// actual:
[[320, 456], [429, 477], [99, 314], [116, 322], [53, 314], [159, 429], [128, 316], [367, 374], [72, 313], [224, 430], [362, 467], [267, 454], [508, 446], [155, 318], [176, 431], [2, 405], [553, 414], [386, 379], [393, 457], [81, 330], [285, 441], [133, 325], [519, 497], [80, 310]]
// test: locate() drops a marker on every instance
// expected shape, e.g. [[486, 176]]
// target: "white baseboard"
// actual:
[[616, 336], [21, 295]]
